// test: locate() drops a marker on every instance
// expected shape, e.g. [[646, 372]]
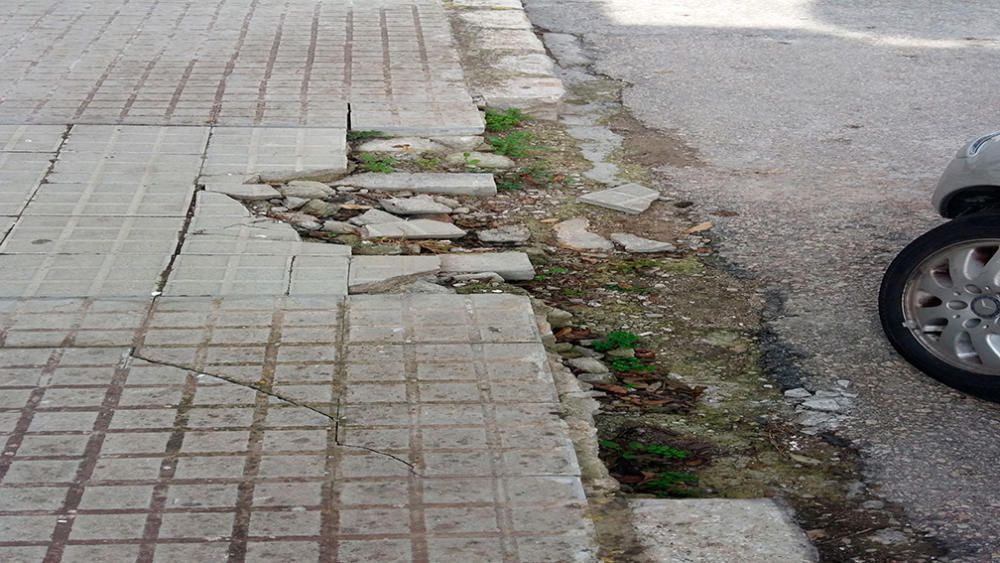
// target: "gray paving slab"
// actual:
[[245, 192], [282, 152], [219, 429], [695, 530], [43, 234], [20, 176], [133, 139], [31, 138], [98, 198], [233, 274], [627, 198], [80, 275], [369, 273], [415, 229], [512, 266], [430, 182], [320, 275]]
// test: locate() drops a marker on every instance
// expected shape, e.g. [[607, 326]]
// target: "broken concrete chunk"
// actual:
[[419, 205], [588, 365], [559, 318], [505, 235], [466, 143], [480, 160], [513, 266], [415, 229], [421, 287], [306, 190], [639, 245], [311, 174], [294, 202], [430, 182], [380, 274], [339, 227], [478, 276], [320, 208], [628, 198], [573, 234], [245, 192], [413, 145], [300, 220], [373, 217]]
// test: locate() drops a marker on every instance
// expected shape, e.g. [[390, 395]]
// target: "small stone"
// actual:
[[477, 159], [461, 210], [889, 536], [573, 234], [559, 319], [245, 192], [628, 198], [404, 145], [452, 203], [822, 405], [306, 189], [294, 202], [422, 287], [621, 353], [416, 229], [505, 235], [339, 227], [873, 505], [374, 217], [639, 245], [419, 205], [320, 208], [300, 220], [601, 378], [479, 276], [798, 393], [588, 365]]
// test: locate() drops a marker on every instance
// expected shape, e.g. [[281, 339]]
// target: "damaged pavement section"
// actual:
[[348, 429]]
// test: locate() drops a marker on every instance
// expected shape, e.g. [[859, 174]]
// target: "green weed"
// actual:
[[630, 365], [503, 121], [617, 339], [514, 145], [374, 163], [428, 163]]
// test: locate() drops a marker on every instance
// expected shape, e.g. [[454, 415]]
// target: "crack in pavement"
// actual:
[[133, 354]]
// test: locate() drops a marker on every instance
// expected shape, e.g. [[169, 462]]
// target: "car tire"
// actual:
[[905, 308]]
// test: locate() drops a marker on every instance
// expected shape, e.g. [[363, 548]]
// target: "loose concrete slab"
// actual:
[[709, 530], [306, 189], [419, 205], [416, 229], [512, 266], [573, 234], [373, 217], [430, 182], [380, 274], [277, 154], [403, 145], [483, 160], [245, 192], [639, 245], [506, 234], [628, 198]]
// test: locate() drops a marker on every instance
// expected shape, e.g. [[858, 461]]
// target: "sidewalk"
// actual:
[[182, 381]]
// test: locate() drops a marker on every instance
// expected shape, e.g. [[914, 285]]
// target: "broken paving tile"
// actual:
[[405, 145], [431, 183], [376, 274], [416, 229], [306, 189], [420, 205], [247, 192], [629, 198], [512, 266], [632, 243], [374, 217], [573, 234], [506, 234]]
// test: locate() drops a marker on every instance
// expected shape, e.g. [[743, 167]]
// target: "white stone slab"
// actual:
[[628, 198], [416, 229], [512, 266], [430, 182], [247, 192]]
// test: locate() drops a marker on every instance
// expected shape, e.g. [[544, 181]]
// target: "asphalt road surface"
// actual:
[[825, 125]]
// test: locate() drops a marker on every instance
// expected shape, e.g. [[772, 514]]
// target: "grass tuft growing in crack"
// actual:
[[503, 121], [515, 145], [353, 136], [374, 163]]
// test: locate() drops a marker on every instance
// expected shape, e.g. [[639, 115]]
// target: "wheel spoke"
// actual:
[[925, 315], [991, 272], [958, 266], [928, 284], [986, 348], [948, 340]]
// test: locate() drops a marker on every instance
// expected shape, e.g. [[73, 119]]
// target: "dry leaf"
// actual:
[[699, 228]]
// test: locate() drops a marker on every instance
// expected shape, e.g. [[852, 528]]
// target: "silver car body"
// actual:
[[973, 175]]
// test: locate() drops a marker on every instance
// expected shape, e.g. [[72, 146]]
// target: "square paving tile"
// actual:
[[20, 176], [80, 275], [31, 138], [275, 151]]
